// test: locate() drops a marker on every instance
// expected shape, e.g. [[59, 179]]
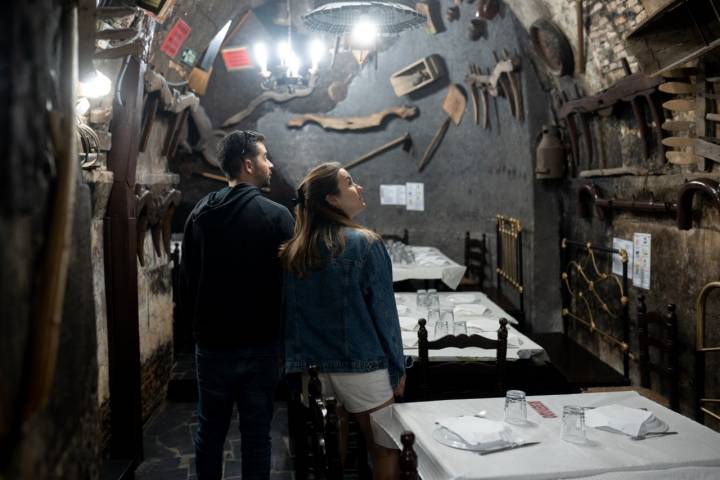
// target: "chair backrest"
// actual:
[[462, 341], [405, 238], [408, 457], [475, 255], [704, 405], [663, 340], [509, 263], [324, 431]]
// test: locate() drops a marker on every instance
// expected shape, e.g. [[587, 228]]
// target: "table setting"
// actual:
[[468, 313], [423, 263], [603, 435]]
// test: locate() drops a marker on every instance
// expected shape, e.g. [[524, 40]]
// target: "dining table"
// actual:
[[425, 263], [481, 316], [690, 452]]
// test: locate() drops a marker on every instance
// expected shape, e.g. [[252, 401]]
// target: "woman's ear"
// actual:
[[332, 200]]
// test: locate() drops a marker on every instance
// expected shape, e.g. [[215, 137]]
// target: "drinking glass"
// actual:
[[460, 326], [573, 424], [446, 315], [421, 302], [515, 407], [433, 299], [442, 328]]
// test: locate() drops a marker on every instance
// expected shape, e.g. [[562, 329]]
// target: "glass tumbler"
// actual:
[[515, 407], [573, 424], [433, 299], [421, 302], [442, 328]]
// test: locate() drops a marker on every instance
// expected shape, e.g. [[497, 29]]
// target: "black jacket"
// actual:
[[231, 279]]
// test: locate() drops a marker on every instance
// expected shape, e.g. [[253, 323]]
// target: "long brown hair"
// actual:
[[317, 222]]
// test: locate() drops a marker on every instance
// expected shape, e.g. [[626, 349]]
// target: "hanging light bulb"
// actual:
[[283, 52], [293, 65], [364, 32], [317, 50], [95, 86], [261, 57]]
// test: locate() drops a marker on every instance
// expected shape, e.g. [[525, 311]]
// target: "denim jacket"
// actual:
[[342, 317]]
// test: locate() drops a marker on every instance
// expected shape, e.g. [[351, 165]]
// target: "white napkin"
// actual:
[[403, 309], [409, 339], [458, 298], [471, 309], [630, 421], [484, 324], [409, 324], [399, 298], [478, 432]]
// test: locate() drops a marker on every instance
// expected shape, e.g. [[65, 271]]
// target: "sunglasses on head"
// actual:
[[249, 137]]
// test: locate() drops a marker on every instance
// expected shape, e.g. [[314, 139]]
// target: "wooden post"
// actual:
[[121, 269]]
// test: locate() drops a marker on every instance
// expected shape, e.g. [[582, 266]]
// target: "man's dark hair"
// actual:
[[235, 148]]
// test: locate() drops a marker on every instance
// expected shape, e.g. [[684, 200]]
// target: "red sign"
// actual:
[[236, 58], [175, 38]]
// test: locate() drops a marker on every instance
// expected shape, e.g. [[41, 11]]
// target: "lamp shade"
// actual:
[[339, 18]]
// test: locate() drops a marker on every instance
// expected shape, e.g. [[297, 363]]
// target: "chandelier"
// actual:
[[363, 18], [287, 72]]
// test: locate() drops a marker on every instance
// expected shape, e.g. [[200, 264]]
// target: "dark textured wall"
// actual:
[[475, 173], [61, 440]]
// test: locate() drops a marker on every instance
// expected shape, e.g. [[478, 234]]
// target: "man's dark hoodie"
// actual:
[[231, 279]]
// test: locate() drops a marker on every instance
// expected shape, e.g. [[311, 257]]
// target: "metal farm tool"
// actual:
[[504, 80], [454, 105], [405, 141], [628, 89]]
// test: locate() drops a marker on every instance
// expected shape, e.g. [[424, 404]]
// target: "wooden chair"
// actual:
[[408, 457], [657, 353], [461, 371], [405, 238], [475, 255], [315, 434]]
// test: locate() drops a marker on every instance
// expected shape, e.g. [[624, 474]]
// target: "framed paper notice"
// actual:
[[392, 195], [642, 243], [617, 267]]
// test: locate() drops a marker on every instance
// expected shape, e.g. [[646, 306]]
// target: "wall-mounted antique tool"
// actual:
[[549, 155], [405, 141], [486, 9], [417, 75], [552, 47], [353, 123], [454, 106], [682, 208], [424, 8], [627, 89], [692, 139], [503, 80]]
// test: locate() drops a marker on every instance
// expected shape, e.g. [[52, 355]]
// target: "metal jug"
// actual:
[[550, 155]]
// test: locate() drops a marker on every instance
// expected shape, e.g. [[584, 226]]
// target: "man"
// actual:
[[232, 283]]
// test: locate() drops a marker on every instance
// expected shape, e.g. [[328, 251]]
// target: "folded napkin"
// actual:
[[478, 432], [403, 309], [627, 420], [409, 339], [470, 309], [409, 324], [458, 298]]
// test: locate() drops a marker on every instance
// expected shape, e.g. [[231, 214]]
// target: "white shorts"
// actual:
[[357, 392]]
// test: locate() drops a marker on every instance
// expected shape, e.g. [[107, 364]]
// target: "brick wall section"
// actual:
[[155, 376], [609, 23]]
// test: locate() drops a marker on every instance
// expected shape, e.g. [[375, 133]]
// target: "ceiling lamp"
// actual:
[[343, 18]]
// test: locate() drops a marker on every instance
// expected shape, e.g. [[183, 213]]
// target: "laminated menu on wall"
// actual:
[[641, 261], [392, 195], [415, 196]]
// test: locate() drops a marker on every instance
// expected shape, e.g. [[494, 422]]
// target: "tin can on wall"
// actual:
[[549, 155]]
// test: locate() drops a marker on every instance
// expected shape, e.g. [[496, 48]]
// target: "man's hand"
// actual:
[[400, 389]]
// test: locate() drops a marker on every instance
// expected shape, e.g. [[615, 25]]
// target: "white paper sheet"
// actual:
[[392, 195], [415, 196], [627, 245], [642, 244]]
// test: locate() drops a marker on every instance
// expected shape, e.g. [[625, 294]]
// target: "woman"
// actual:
[[340, 309]]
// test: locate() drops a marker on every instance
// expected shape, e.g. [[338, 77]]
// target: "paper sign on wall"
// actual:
[[617, 266], [392, 195], [415, 196], [236, 58], [641, 261]]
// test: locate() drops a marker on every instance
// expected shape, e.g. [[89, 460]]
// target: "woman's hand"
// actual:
[[400, 389]]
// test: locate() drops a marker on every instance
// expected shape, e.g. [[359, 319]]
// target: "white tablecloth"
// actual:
[[430, 264], [520, 346], [694, 453]]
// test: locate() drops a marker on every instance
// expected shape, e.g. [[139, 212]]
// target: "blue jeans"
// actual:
[[248, 377]]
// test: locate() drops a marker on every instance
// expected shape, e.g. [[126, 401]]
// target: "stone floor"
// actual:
[[169, 453]]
